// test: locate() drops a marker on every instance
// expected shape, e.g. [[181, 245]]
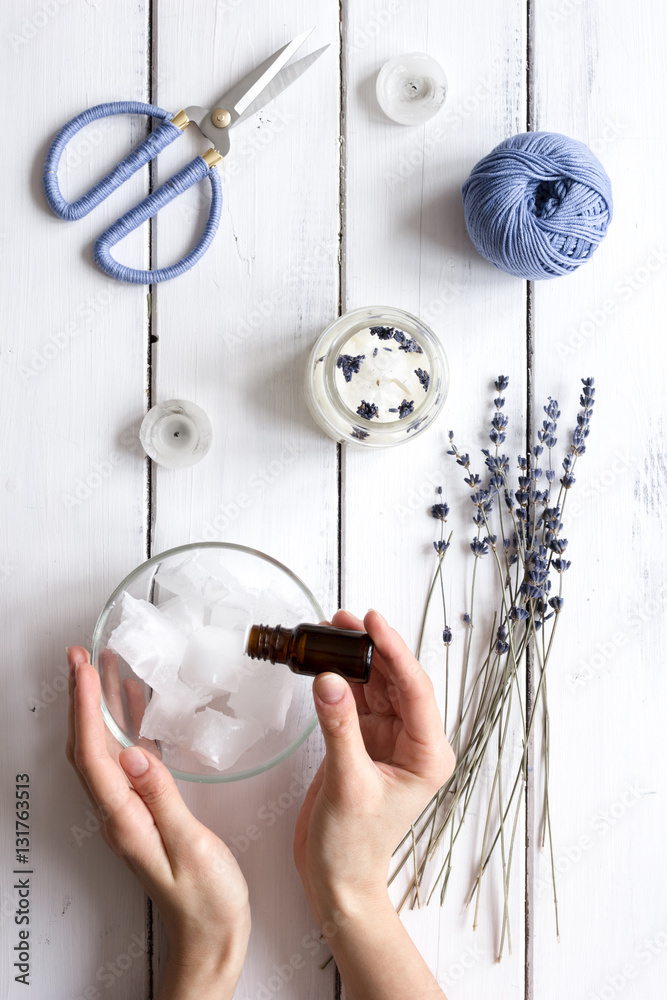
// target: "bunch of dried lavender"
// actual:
[[527, 553]]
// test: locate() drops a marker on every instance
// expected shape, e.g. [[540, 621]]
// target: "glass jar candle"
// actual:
[[376, 377]]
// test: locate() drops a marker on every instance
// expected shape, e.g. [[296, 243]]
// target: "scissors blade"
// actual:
[[254, 91], [251, 86], [280, 82]]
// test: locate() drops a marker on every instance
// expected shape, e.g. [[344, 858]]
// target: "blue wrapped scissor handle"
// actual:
[[142, 154]]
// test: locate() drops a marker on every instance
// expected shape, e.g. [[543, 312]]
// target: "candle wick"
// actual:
[[177, 434], [401, 385]]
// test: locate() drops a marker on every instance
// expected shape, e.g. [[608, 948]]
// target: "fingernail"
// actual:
[[133, 761], [330, 688], [74, 660], [381, 617]]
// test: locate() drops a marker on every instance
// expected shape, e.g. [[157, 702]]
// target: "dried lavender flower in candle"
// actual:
[[382, 332], [358, 433], [410, 346], [367, 410], [424, 378], [405, 408], [349, 365]]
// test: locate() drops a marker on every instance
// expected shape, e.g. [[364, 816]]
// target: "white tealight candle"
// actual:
[[176, 434], [411, 89]]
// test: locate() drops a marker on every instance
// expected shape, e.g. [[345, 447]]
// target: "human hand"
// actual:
[[386, 756], [188, 872]]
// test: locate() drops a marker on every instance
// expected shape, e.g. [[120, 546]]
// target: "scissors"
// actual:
[[246, 98]]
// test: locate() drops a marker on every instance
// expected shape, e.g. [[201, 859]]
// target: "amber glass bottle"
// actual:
[[314, 649]]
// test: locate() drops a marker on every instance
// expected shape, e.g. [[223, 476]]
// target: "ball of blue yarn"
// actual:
[[538, 205]]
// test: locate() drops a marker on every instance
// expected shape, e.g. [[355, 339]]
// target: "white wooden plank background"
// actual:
[[608, 689], [233, 335]]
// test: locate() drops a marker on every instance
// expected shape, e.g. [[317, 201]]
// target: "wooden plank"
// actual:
[[72, 348], [406, 245], [234, 334], [607, 682]]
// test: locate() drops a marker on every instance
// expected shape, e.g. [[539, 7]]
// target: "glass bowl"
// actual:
[[277, 594], [376, 377]]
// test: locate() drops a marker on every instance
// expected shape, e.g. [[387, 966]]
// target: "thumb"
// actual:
[[337, 711], [156, 787]]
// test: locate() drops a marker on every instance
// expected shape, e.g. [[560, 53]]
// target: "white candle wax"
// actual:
[[411, 89], [379, 374], [176, 434]]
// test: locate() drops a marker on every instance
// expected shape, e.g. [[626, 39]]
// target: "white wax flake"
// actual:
[[265, 694], [386, 380], [212, 658], [168, 716], [148, 643], [219, 740], [209, 698], [230, 616], [192, 580], [184, 615]]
